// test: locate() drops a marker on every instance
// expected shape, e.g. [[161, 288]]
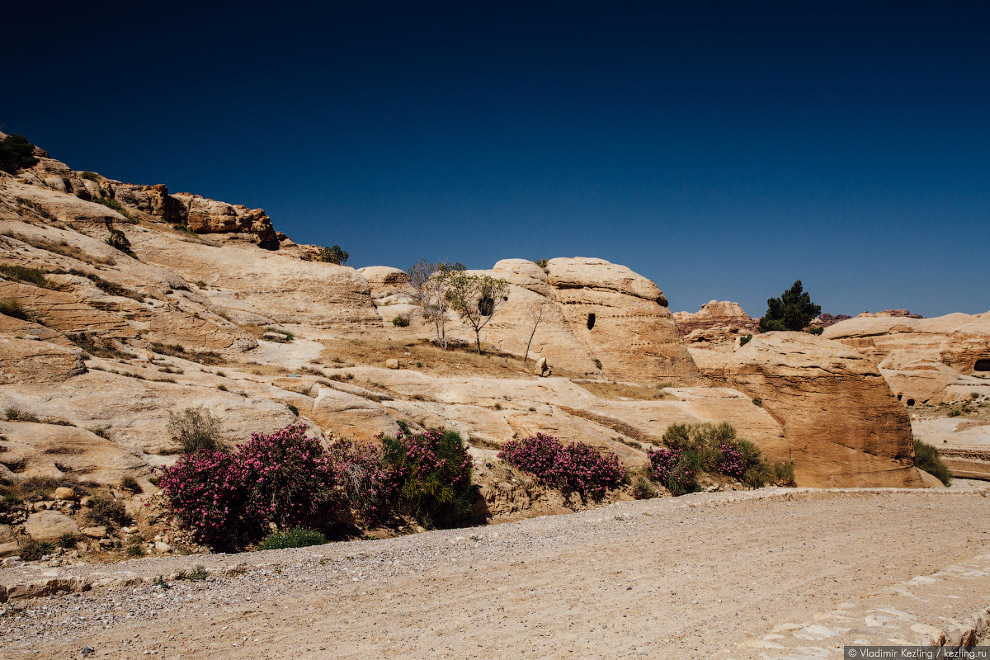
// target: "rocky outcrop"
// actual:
[[916, 355], [209, 216], [842, 424], [725, 316]]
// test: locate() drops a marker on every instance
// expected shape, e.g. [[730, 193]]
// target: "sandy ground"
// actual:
[[773, 573]]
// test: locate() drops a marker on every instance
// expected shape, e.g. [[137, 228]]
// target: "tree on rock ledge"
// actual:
[[792, 311], [475, 298]]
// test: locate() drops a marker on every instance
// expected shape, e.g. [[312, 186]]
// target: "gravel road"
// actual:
[[707, 575]]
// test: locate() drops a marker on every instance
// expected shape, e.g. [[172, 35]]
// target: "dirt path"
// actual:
[[725, 575]]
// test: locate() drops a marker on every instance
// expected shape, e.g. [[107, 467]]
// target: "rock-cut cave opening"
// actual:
[[591, 321], [982, 365]]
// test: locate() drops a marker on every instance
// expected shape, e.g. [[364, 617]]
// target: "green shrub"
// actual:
[[758, 402], [333, 255], [278, 331], [26, 274], [108, 512], [134, 548], [712, 449], [32, 550], [10, 307], [92, 176], [195, 429], [815, 331], [297, 537], [432, 474], [792, 311], [643, 489], [927, 458], [954, 413], [400, 321], [293, 410], [118, 241], [745, 340], [16, 153]]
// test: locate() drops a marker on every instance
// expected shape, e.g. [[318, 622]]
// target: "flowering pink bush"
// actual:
[[206, 491], [577, 468], [365, 481], [431, 475], [732, 464], [289, 479], [677, 469]]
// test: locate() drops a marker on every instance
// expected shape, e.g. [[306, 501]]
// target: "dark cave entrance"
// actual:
[[982, 365], [591, 324]]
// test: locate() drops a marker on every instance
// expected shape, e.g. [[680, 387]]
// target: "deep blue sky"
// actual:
[[723, 149]]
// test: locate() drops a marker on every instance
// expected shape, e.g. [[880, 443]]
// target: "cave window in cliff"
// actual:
[[910, 402], [900, 396], [982, 365], [486, 306], [591, 321]]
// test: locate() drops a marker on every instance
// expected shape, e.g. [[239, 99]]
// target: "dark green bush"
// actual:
[[815, 331], [333, 255], [792, 311], [16, 153], [745, 340], [92, 176], [297, 537], [432, 475], [118, 241], [67, 541], [927, 458], [119, 208], [400, 321], [130, 484]]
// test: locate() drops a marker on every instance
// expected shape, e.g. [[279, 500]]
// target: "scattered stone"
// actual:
[[97, 532], [64, 493], [49, 525]]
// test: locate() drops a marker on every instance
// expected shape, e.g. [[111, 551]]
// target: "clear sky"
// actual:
[[723, 149]]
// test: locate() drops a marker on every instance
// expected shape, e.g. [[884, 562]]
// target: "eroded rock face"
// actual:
[[209, 216], [911, 352], [725, 316], [623, 319], [28, 361], [842, 424]]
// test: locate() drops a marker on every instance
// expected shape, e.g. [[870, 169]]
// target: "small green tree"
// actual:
[[476, 298], [16, 153], [792, 311], [334, 255], [431, 281]]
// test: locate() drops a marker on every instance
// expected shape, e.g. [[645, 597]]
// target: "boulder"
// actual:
[[49, 525], [63, 493], [96, 532], [842, 425]]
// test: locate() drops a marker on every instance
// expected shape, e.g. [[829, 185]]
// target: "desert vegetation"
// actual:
[[573, 468], [694, 452], [793, 310], [926, 458], [286, 480], [16, 153]]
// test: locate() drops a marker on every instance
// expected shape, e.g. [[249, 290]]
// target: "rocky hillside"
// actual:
[[211, 306]]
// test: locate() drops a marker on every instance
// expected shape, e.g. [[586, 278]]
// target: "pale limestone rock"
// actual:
[[910, 350], [95, 532], [63, 493], [24, 361], [49, 525]]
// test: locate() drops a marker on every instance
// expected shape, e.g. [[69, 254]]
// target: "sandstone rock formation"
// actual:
[[842, 425], [925, 360], [111, 343], [726, 317]]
